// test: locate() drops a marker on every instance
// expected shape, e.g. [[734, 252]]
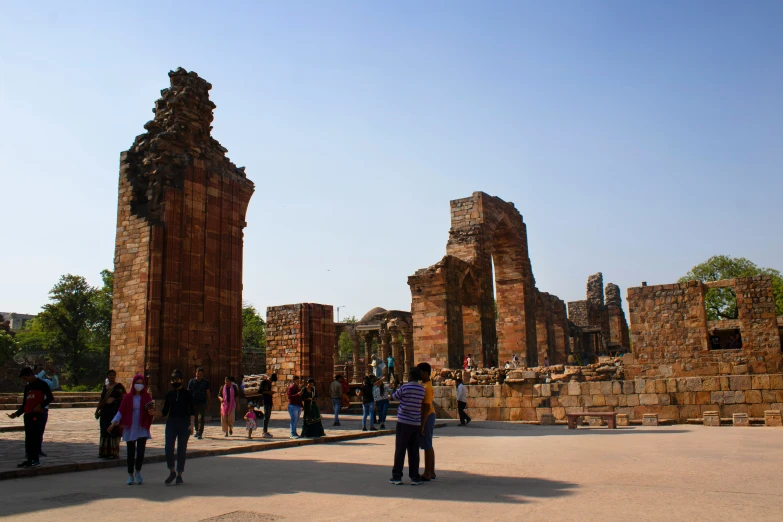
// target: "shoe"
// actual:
[[336, 424], [139, 479], [373, 428], [171, 477], [383, 426], [423, 479], [130, 480], [230, 431], [267, 435], [23, 464], [364, 429], [226, 435], [396, 482], [42, 454], [31, 464], [468, 422], [179, 480], [416, 482]]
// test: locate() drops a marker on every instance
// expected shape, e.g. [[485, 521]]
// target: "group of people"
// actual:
[[127, 416]]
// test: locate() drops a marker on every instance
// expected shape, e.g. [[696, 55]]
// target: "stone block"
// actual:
[[599, 400], [660, 386], [711, 418], [753, 396], [650, 419], [547, 419], [772, 418], [710, 384], [633, 400], [612, 400], [595, 422], [574, 388], [739, 382], [622, 419], [740, 419], [648, 399], [693, 384], [617, 388], [759, 382]]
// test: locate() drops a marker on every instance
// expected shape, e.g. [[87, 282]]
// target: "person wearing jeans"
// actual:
[[462, 403], [136, 413], [408, 429], [181, 413], [381, 395], [368, 403], [336, 394], [294, 404], [36, 398]]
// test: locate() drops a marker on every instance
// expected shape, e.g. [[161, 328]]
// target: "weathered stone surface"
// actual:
[[622, 419], [650, 419], [740, 419], [772, 418], [711, 418], [179, 240]]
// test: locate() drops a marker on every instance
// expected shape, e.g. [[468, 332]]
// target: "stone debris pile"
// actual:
[[253, 383], [608, 370]]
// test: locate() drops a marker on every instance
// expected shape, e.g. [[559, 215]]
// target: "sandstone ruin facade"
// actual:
[[453, 301], [601, 328], [178, 251]]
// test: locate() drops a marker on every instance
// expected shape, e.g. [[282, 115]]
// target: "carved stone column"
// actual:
[[407, 346], [384, 348], [357, 376], [368, 352], [399, 358]]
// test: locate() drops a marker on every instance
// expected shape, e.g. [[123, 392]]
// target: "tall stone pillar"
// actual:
[[407, 346], [396, 349], [384, 347], [368, 353], [357, 372], [178, 250]]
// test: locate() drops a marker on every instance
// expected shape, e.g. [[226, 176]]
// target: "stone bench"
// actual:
[[611, 418]]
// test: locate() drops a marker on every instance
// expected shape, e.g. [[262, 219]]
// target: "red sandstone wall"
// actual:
[[300, 341]]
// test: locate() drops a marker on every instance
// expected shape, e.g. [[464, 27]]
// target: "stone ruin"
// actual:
[[453, 302], [178, 251], [598, 326]]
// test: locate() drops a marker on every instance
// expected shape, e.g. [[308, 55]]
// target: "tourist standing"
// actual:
[[368, 403], [311, 423], [180, 412], [267, 395], [427, 422], [111, 397], [462, 403], [294, 395], [199, 388], [37, 395], [346, 390], [408, 428], [381, 396], [336, 394], [54, 383], [227, 395], [135, 414], [390, 366]]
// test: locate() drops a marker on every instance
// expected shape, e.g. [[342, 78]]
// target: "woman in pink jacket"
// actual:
[[135, 416]]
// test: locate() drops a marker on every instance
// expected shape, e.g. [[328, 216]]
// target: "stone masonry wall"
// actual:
[[677, 399], [300, 341], [669, 329]]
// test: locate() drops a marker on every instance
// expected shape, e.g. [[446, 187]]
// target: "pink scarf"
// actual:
[[229, 403]]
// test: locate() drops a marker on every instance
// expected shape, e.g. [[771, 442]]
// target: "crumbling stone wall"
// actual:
[[178, 250], [454, 298], [601, 322], [300, 340], [669, 329]]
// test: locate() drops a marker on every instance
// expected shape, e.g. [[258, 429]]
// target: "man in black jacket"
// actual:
[[181, 412], [37, 396]]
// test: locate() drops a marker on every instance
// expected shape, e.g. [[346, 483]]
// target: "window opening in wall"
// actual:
[[720, 304], [728, 339]]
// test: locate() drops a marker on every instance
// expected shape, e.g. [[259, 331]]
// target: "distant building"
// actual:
[[16, 320]]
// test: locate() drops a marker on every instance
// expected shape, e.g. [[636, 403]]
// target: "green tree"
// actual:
[[33, 339], [721, 303], [68, 320], [253, 340], [101, 324], [344, 343], [8, 345]]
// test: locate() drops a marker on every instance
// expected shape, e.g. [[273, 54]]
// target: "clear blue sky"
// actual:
[[636, 138]]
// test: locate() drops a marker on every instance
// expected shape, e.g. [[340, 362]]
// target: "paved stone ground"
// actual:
[[72, 437], [490, 471]]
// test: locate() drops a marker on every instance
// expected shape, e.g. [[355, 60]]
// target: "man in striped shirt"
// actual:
[[408, 428]]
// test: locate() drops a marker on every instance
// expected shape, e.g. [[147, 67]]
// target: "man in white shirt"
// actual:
[[462, 403]]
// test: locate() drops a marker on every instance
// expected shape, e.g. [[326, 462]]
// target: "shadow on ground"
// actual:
[[243, 476]]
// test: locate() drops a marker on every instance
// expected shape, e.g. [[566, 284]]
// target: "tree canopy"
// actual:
[[253, 340], [721, 303]]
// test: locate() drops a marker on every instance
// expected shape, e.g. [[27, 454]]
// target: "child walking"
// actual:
[[250, 420]]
